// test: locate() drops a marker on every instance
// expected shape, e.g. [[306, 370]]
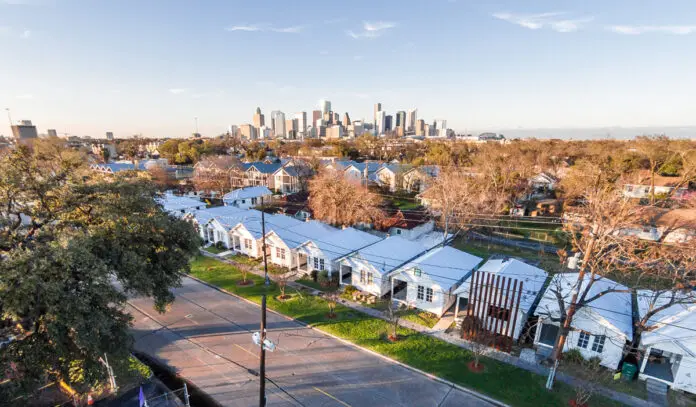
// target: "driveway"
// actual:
[[206, 338]]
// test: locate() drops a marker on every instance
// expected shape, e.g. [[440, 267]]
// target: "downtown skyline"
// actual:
[[130, 68]]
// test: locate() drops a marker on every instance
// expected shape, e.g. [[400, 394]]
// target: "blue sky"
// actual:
[[133, 66]]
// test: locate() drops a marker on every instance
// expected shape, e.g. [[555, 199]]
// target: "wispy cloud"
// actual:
[[265, 27], [177, 91], [371, 29], [25, 34], [556, 20], [643, 29]]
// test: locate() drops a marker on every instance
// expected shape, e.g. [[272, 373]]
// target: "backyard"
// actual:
[[501, 381]]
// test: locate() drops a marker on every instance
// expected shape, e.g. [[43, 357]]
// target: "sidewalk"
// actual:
[[439, 333]]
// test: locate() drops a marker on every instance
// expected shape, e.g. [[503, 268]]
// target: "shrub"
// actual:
[[574, 356], [350, 289], [313, 274], [220, 245], [323, 277]]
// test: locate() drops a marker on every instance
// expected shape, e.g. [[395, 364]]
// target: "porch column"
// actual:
[[645, 359], [456, 306], [340, 274]]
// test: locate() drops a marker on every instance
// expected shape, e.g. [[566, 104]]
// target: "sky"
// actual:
[[150, 67]]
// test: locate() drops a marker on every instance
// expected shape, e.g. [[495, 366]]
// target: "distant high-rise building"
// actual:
[[316, 115], [387, 123], [291, 129], [52, 133], [428, 130], [378, 108], [328, 117], [400, 119], [325, 106], [264, 132], [301, 119], [346, 119], [411, 119], [336, 118], [380, 123], [258, 119], [279, 124], [334, 132], [420, 128], [248, 131], [24, 130], [440, 124], [319, 122], [109, 135]]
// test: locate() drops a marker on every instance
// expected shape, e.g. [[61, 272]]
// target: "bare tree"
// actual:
[[281, 276], [479, 345], [589, 378], [395, 310], [212, 174], [338, 201]]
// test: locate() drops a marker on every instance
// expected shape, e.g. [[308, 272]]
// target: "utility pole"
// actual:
[[9, 118], [186, 396], [262, 359], [266, 280]]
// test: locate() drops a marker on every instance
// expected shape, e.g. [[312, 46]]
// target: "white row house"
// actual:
[[247, 197], [669, 346], [180, 205], [532, 280], [322, 254], [601, 328], [429, 282], [283, 242]]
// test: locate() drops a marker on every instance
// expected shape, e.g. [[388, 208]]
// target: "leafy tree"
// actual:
[[66, 237]]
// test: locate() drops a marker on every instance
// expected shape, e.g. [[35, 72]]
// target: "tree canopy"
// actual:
[[68, 238]]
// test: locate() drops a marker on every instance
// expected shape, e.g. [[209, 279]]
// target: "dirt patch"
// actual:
[[473, 368], [283, 298], [331, 316], [247, 283], [393, 338]]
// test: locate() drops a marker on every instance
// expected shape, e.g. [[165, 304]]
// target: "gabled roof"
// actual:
[[613, 309], [246, 193], [429, 170], [204, 216], [532, 278], [396, 168], [116, 167], [342, 242], [390, 253], [371, 166], [262, 167], [338, 164], [444, 265], [290, 170], [673, 324], [295, 236], [174, 203]]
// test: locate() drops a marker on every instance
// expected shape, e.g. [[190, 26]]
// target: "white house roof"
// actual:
[[391, 252], [173, 203], [532, 278], [204, 216], [296, 235], [674, 324], [231, 220], [246, 193], [444, 265], [613, 309], [342, 242]]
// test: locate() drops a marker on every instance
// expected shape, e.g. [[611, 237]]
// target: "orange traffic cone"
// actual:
[[90, 400]]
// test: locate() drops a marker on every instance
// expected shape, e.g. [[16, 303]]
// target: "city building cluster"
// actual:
[[325, 123]]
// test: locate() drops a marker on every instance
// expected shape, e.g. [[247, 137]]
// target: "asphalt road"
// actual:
[[206, 338]]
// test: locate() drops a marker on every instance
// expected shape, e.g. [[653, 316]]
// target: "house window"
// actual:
[[253, 201], [598, 344], [321, 264], [429, 294], [370, 279], [421, 293], [417, 272], [362, 276], [280, 253], [583, 339], [548, 334], [247, 244], [500, 313], [316, 263]]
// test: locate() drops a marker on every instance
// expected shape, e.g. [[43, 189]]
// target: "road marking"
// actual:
[[327, 394], [251, 353]]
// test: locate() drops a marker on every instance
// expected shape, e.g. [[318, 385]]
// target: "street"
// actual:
[[206, 338]]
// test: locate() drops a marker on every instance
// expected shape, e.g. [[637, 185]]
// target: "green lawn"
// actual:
[[421, 317], [242, 259], [306, 280], [215, 250], [501, 381]]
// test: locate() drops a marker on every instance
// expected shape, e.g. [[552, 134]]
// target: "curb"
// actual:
[[346, 342]]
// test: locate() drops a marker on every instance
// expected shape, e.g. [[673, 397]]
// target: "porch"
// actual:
[[660, 365]]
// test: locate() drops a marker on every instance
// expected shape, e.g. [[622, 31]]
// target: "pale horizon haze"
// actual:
[[576, 69]]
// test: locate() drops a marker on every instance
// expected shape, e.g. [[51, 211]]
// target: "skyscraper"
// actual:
[[248, 131], [380, 123], [278, 123], [411, 119], [301, 119], [420, 128], [400, 118], [109, 135], [316, 115], [378, 108], [52, 133], [24, 130], [346, 119], [258, 119], [387, 123], [291, 128], [440, 124], [325, 106]]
